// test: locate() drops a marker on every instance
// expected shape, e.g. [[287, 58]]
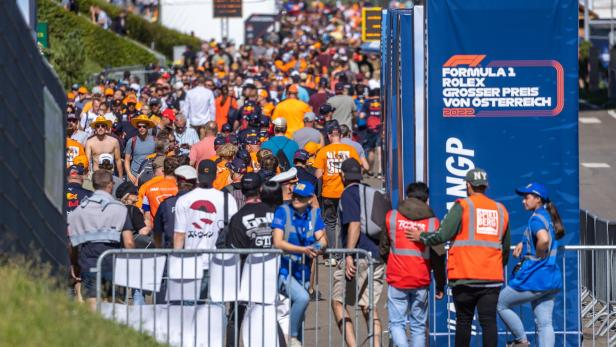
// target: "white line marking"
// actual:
[[612, 113], [596, 165], [590, 120]]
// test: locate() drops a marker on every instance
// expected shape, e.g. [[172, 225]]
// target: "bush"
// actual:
[[101, 48], [141, 30]]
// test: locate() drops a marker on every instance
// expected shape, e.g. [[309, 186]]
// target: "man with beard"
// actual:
[[101, 143], [138, 147], [73, 131]]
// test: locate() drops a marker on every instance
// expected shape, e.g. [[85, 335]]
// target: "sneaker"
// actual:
[[518, 344], [330, 262], [315, 295], [294, 342]]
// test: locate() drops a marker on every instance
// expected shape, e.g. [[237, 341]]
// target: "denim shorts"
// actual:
[[88, 284]]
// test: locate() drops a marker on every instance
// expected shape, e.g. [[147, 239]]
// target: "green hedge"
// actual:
[[144, 31], [101, 46]]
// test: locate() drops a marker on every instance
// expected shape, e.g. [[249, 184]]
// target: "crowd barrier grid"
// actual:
[[169, 295]]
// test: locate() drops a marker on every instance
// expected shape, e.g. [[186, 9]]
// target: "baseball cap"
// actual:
[[82, 90], [105, 157], [326, 108], [154, 101], [293, 89], [108, 92], [252, 139], [286, 176], [227, 128], [251, 181], [280, 122], [264, 121], [309, 117], [169, 114], [74, 170], [178, 85], [207, 171], [534, 188], [332, 126], [125, 188], [187, 172], [477, 177], [219, 141], [304, 189], [351, 169], [237, 166], [301, 155], [339, 86], [72, 116]]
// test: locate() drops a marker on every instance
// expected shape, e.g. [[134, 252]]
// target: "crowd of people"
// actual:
[[266, 145]]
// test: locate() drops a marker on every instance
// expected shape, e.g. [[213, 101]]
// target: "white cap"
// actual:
[[134, 86], [285, 176], [178, 85], [187, 172], [280, 122], [105, 156]]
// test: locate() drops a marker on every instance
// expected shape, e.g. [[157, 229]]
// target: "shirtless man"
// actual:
[[101, 143]]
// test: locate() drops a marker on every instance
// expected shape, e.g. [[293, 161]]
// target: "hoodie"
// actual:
[[415, 209]]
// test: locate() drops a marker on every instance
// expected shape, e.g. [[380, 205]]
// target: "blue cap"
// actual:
[[534, 188], [304, 189]]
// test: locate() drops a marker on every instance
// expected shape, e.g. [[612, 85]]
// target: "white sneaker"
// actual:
[[330, 262], [294, 342]]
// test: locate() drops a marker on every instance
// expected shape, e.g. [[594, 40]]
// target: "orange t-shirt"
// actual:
[[157, 193], [223, 175], [73, 150], [293, 111], [329, 159], [144, 188], [222, 111]]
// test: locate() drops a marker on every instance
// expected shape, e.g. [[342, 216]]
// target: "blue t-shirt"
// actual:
[[351, 212], [277, 143], [139, 152], [302, 223]]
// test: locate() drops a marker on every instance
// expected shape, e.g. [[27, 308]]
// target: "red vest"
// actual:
[[408, 265], [476, 251]]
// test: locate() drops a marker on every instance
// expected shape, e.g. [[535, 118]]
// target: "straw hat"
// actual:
[[101, 120], [142, 119]]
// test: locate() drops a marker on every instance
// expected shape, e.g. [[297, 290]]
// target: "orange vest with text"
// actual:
[[408, 264], [476, 251]]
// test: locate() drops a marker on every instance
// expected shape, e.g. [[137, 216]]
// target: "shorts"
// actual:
[[344, 291], [371, 140], [88, 284]]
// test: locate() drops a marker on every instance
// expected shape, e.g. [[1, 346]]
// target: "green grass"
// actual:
[[35, 312]]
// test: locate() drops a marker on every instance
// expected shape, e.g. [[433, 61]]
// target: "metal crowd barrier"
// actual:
[[161, 292]]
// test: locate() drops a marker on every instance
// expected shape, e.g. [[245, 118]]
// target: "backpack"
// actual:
[[374, 206], [283, 161]]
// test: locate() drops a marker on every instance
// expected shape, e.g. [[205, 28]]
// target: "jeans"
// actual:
[[466, 299], [542, 304], [298, 294], [407, 305], [330, 217]]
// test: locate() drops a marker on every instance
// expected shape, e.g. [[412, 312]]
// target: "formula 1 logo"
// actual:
[[472, 87]]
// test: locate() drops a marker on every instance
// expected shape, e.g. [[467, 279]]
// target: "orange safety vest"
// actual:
[[476, 251], [408, 264]]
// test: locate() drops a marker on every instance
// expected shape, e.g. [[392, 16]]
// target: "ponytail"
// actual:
[[559, 230]]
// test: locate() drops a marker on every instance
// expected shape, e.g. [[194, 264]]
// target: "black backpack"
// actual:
[[283, 161]]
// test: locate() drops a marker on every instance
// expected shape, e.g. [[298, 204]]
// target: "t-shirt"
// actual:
[[142, 149], [358, 148], [164, 220], [293, 111], [136, 218], [345, 106], [318, 99], [144, 188], [305, 135], [157, 193], [277, 143], [329, 159], [200, 215], [73, 149], [74, 195], [250, 227], [202, 150], [352, 213]]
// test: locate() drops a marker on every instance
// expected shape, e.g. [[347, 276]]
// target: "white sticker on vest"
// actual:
[[487, 222]]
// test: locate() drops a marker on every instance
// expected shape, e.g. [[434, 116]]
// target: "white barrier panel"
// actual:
[[260, 278], [259, 328], [184, 268], [143, 273], [183, 290], [224, 277], [210, 325]]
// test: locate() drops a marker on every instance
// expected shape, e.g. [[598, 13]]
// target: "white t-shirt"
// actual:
[[199, 214], [199, 106]]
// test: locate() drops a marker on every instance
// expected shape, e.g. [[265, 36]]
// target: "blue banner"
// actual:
[[503, 96]]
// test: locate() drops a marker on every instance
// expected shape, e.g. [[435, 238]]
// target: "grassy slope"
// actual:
[[35, 313]]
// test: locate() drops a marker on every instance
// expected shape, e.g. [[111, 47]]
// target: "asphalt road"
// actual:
[[597, 163]]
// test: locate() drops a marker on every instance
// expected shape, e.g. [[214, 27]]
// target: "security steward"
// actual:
[[479, 230], [98, 224]]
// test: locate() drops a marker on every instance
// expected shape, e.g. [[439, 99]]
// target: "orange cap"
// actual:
[[108, 92], [293, 89], [82, 90]]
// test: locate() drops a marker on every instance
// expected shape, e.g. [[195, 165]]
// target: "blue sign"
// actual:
[[503, 96]]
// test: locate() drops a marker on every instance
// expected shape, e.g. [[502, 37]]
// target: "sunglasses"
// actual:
[[72, 120], [98, 126], [142, 126]]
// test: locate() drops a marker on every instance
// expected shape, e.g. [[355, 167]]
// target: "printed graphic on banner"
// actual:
[[475, 86]]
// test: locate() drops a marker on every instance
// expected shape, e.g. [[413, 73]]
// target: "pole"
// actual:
[[586, 22], [611, 23]]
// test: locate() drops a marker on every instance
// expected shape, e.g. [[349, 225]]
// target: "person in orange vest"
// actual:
[[408, 267], [479, 230]]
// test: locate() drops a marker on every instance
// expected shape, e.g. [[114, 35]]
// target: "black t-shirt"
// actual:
[[136, 218], [250, 227]]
